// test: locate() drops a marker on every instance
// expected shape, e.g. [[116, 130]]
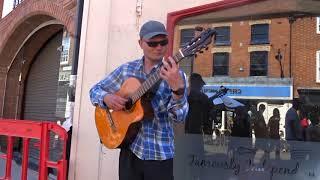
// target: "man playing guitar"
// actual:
[[150, 154]]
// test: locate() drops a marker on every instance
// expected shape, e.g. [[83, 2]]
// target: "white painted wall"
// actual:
[[7, 7], [109, 38]]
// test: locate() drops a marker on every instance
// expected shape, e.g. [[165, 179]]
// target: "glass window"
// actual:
[[186, 63], [318, 66], [186, 36], [262, 123], [223, 36], [260, 34], [259, 63], [65, 49], [318, 25], [220, 64]]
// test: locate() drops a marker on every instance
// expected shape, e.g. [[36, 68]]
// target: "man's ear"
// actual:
[[140, 42]]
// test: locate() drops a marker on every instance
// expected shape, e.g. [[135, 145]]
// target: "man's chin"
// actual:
[[158, 57]]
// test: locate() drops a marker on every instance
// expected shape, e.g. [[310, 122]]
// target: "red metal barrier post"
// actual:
[[33, 130]]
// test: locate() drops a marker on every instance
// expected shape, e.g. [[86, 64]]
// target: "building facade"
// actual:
[[263, 59]]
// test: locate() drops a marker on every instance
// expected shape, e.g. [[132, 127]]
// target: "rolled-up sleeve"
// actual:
[[109, 85]]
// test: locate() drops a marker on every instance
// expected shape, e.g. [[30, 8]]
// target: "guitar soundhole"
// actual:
[[128, 104]]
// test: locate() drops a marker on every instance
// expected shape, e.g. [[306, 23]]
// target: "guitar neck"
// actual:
[[152, 80], [219, 93]]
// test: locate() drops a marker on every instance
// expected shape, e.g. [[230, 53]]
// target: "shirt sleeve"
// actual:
[[109, 85], [178, 108]]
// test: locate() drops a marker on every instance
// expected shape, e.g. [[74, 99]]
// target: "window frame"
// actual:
[[222, 66], [65, 51], [188, 37], [222, 42], [256, 69], [259, 41], [318, 25], [318, 66]]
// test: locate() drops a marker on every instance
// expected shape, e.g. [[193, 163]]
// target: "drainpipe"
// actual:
[[74, 69], [291, 19]]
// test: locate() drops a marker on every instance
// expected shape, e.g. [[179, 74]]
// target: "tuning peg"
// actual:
[[199, 28]]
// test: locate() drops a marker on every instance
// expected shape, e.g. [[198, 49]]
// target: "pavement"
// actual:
[[16, 171]]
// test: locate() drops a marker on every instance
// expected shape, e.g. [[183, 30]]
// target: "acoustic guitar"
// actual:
[[117, 129], [220, 92]]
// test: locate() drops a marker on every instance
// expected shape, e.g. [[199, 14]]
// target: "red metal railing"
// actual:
[[33, 130]]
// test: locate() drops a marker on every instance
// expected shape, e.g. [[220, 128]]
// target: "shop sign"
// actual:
[[253, 91]]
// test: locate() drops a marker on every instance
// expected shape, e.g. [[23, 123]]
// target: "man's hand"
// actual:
[[115, 102], [170, 73]]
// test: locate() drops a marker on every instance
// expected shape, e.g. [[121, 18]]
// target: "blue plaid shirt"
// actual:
[[155, 140]]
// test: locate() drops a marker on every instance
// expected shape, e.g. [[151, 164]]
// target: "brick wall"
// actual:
[[305, 44], [239, 58]]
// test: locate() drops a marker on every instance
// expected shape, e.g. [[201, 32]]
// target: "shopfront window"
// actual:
[[263, 121], [65, 48], [63, 104]]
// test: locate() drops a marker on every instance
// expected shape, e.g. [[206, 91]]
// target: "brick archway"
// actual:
[[29, 14], [17, 32], [19, 68]]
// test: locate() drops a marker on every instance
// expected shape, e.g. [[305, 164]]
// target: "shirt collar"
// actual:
[[140, 65]]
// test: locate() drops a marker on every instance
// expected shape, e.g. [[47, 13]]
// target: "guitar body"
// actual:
[[126, 123]]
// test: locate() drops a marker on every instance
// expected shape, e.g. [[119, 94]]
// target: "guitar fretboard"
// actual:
[[151, 80]]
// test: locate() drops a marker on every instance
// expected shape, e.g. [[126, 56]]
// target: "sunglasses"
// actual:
[[156, 43]]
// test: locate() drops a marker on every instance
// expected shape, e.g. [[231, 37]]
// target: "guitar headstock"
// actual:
[[221, 92], [198, 43]]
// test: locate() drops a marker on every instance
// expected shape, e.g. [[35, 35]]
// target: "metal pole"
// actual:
[[73, 76]]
